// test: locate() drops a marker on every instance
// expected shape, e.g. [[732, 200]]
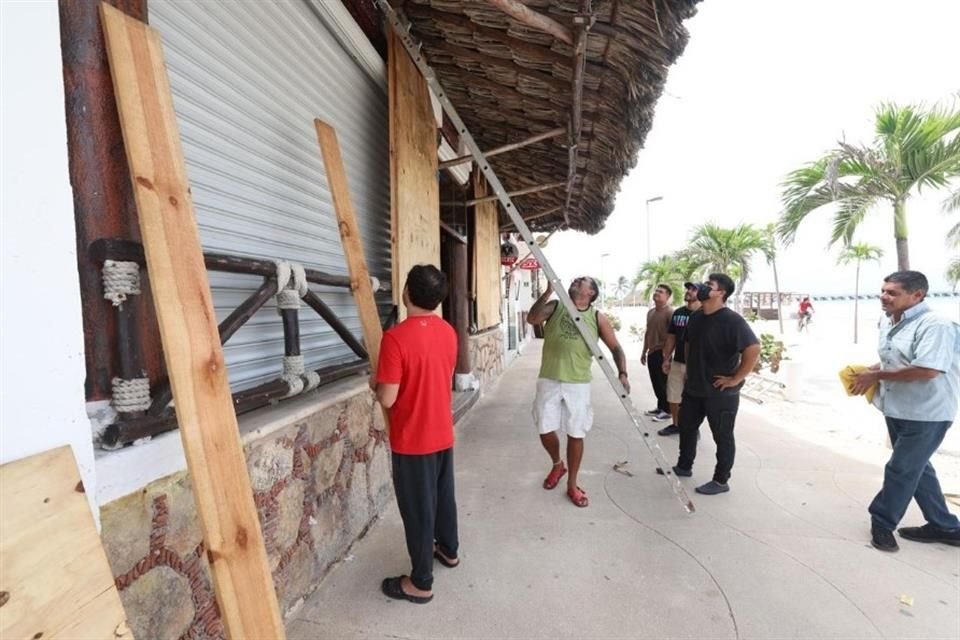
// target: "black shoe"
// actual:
[[677, 471], [930, 533], [883, 539], [669, 430], [713, 488]]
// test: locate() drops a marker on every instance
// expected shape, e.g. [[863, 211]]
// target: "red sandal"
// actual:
[[578, 497], [553, 478]]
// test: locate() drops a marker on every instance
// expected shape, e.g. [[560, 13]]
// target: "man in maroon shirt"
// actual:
[[414, 383]]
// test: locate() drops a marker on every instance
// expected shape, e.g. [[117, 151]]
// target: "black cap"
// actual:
[[689, 285]]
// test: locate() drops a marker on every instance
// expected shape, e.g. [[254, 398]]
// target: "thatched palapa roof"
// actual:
[[511, 70]]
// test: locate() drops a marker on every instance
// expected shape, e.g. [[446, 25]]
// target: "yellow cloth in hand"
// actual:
[[847, 378]]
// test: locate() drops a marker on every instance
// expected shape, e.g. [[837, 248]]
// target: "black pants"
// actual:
[[425, 495], [658, 379], [721, 414]]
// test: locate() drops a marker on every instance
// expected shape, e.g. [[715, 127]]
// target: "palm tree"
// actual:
[[729, 251], [664, 270], [913, 148], [622, 289], [770, 253], [953, 272], [858, 253]]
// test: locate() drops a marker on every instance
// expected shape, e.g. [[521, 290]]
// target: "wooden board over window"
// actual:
[[414, 188], [486, 257]]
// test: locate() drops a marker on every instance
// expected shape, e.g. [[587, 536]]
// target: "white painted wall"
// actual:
[[41, 333]]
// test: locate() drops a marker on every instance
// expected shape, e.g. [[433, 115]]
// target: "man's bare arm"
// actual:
[[543, 308], [609, 338]]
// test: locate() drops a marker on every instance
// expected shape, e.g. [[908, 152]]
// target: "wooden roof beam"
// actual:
[[512, 194], [525, 15], [553, 133]]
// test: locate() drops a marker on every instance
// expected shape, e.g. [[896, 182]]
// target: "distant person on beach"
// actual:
[[805, 313], [563, 384], [654, 338], [722, 350], [918, 380], [674, 355]]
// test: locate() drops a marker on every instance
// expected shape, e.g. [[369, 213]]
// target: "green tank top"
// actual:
[[566, 357]]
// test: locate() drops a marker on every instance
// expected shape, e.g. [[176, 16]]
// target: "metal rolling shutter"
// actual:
[[248, 78]]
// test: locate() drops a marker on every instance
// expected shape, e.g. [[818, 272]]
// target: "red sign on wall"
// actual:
[[529, 264], [507, 261]]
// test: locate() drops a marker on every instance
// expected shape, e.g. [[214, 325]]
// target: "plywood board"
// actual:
[[352, 246], [414, 188], [486, 257], [54, 575], [188, 329]]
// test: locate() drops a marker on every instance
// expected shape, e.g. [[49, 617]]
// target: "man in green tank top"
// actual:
[[563, 385]]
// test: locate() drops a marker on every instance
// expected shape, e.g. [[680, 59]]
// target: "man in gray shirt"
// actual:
[[918, 379]]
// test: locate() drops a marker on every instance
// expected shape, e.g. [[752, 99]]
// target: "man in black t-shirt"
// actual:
[[674, 355], [721, 351]]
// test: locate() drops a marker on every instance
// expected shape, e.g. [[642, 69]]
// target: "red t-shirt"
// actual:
[[420, 355]]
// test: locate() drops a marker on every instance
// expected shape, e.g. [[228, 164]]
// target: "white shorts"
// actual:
[[675, 382], [563, 406]]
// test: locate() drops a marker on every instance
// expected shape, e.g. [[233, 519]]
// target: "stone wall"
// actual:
[[486, 354], [319, 481]]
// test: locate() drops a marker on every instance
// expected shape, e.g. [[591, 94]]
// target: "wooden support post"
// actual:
[[191, 343], [459, 304], [352, 248]]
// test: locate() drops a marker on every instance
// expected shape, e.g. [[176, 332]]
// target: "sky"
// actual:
[[763, 87]]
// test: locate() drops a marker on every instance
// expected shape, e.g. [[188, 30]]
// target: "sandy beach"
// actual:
[[814, 406]]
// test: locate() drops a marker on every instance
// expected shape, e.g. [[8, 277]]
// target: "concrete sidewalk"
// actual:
[[785, 554]]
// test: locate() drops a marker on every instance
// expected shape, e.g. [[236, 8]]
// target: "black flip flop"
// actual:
[[392, 589], [442, 560]]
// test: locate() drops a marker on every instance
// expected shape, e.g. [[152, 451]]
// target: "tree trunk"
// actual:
[[856, 303], [776, 286], [900, 234]]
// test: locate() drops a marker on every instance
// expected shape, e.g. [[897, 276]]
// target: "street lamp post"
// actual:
[[649, 200], [603, 279]]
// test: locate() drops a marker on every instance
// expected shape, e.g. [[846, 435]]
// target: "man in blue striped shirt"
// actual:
[[918, 380]]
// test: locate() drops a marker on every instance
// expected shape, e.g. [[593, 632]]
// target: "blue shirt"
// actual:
[[920, 339]]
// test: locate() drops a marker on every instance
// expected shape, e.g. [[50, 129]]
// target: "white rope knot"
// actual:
[[130, 395], [293, 370], [292, 284], [287, 299], [374, 284], [313, 380], [120, 279]]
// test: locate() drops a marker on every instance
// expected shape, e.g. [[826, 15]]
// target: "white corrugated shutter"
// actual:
[[248, 78]]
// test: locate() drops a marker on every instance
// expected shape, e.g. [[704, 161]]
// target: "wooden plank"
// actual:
[[414, 187], [55, 578], [486, 257], [352, 246], [188, 328]]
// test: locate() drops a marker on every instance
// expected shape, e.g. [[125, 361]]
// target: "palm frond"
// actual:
[[849, 215], [952, 203]]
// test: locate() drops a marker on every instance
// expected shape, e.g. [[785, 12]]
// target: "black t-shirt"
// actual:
[[716, 342], [678, 328]]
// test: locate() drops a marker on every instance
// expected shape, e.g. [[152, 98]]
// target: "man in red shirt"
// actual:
[[414, 381]]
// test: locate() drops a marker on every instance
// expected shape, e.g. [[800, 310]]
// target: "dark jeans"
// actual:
[[721, 414], [428, 507], [658, 379], [909, 474]]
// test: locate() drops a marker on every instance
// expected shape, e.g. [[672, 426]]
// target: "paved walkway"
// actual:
[[785, 554]]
